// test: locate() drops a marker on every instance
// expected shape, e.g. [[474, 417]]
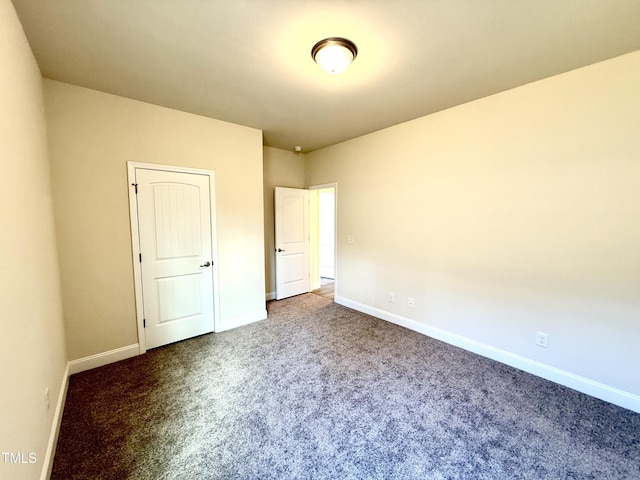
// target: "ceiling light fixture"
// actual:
[[334, 54]]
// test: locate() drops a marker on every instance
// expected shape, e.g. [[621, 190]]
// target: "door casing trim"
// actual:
[[333, 185], [135, 241]]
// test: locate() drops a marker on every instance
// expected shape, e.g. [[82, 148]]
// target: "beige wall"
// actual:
[[502, 217], [92, 136], [32, 350], [281, 169]]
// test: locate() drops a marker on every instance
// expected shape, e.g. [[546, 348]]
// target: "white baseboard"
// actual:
[[270, 296], [562, 377], [104, 358], [50, 453], [241, 321]]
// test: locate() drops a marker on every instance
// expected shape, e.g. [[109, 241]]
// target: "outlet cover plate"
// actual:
[[542, 339]]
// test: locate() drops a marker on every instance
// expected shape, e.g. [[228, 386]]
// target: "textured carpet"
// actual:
[[319, 391]]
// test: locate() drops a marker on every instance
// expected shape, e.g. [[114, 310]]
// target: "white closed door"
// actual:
[[174, 220], [291, 241]]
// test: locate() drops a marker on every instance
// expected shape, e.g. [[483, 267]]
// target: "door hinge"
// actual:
[[144, 323], [140, 257], [136, 186]]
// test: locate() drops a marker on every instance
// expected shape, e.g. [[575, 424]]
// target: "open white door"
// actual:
[[291, 241], [176, 255]]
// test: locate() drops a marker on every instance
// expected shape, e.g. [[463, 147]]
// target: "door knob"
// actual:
[[281, 250], [207, 264]]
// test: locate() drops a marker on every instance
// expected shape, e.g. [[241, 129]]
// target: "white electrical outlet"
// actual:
[[411, 303], [47, 402], [542, 339], [391, 297]]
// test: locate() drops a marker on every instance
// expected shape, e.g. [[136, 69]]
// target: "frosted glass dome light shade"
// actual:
[[334, 54]]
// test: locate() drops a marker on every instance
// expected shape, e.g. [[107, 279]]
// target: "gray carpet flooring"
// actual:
[[319, 391]]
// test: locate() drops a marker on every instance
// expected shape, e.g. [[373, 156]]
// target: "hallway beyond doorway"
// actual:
[[326, 288]]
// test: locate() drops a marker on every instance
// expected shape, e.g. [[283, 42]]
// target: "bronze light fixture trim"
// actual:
[[334, 54]]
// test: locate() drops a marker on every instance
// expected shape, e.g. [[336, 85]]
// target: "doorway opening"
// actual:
[[323, 239]]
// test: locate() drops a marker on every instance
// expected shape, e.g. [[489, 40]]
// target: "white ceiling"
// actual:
[[248, 61]]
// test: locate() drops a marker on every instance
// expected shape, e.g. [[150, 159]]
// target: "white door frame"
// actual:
[[335, 229], [135, 241]]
